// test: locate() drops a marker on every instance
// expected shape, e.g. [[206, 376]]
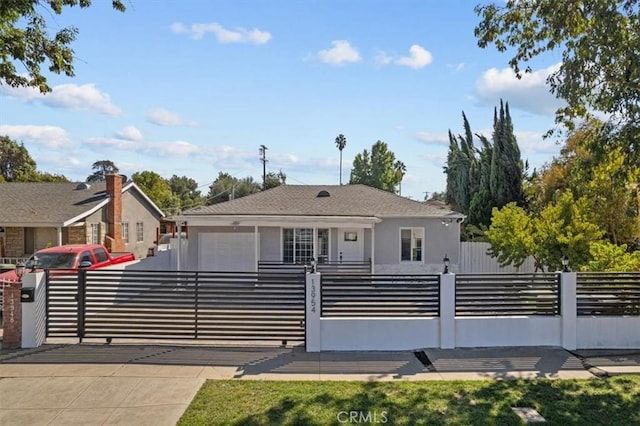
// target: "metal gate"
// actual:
[[176, 305]]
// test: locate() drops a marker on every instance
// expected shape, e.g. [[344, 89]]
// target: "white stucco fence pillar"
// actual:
[[34, 313], [447, 311], [313, 308], [568, 310]]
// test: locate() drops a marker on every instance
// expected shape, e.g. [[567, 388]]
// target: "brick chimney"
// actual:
[[113, 240]]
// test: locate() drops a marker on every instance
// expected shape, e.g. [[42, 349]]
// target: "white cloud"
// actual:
[[112, 143], [20, 92], [530, 93], [438, 159], [382, 58], [179, 28], [284, 159], [438, 138], [419, 58], [341, 52], [223, 35], [58, 163], [171, 149], [74, 97], [532, 143], [222, 153], [156, 149], [456, 67], [163, 117], [74, 161], [130, 133], [47, 136]]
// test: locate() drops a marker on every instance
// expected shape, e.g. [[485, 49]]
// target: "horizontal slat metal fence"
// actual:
[[369, 295], [608, 293], [62, 304], [507, 294], [191, 305], [280, 267], [345, 267]]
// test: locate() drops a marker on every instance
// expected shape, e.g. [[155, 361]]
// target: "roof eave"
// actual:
[[250, 220], [133, 185], [89, 212]]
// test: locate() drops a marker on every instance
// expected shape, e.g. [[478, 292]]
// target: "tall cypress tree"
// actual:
[[506, 165], [479, 179], [461, 169], [481, 201]]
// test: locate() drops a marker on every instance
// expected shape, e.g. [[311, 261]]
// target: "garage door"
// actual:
[[227, 252]]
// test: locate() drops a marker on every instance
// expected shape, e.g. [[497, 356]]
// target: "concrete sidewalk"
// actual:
[[153, 384]]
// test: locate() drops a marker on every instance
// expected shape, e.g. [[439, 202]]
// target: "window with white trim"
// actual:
[[297, 245], [125, 231], [411, 240], [95, 233], [139, 231]]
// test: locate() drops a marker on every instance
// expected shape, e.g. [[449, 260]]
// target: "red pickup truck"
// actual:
[[71, 256]]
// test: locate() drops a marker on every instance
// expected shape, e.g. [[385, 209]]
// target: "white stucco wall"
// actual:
[[508, 331], [34, 319], [270, 243], [608, 332], [379, 334], [439, 240]]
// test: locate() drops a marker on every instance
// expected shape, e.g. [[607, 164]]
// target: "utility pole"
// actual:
[[263, 159]]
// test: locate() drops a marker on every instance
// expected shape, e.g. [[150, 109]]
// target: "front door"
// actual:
[[350, 244]]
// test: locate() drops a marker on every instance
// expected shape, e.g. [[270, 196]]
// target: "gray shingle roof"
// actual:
[[47, 203], [345, 200]]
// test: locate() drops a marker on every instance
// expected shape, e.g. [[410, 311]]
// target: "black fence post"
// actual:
[[81, 298], [439, 295], [559, 286], [320, 295], [197, 295], [46, 301]]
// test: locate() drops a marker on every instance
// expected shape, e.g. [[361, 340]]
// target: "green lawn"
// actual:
[[612, 401]]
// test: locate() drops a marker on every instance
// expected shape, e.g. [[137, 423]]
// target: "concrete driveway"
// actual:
[[610, 362]]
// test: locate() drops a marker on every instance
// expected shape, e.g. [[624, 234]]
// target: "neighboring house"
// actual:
[[299, 223], [36, 215]]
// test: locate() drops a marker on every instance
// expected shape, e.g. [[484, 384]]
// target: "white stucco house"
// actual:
[[299, 223]]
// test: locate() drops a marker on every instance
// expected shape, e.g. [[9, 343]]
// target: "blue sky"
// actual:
[[195, 87]]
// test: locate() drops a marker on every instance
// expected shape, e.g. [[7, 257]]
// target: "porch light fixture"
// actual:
[[20, 270], [565, 263], [447, 221], [446, 262]]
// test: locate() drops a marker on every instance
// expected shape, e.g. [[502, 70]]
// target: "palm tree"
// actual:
[[341, 142], [401, 170]]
